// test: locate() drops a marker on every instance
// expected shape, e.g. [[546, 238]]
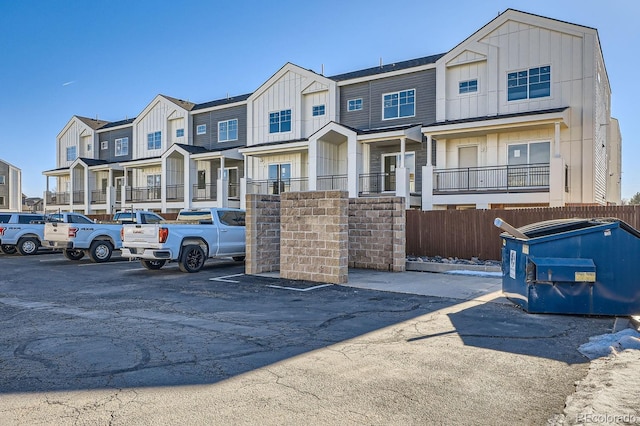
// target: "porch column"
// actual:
[[223, 189], [313, 165], [123, 188], [556, 140], [186, 182], [427, 187], [403, 143], [87, 185], [402, 176], [109, 193], [243, 183], [353, 153], [429, 148]]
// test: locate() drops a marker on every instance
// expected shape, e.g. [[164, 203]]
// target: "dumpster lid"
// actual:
[[557, 226]]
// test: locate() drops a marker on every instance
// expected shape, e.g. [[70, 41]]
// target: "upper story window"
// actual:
[[179, 133], [399, 104], [154, 140], [72, 153], [468, 86], [318, 110], [228, 130], [529, 84], [354, 104], [280, 122], [104, 145], [122, 146], [2, 180], [201, 129]]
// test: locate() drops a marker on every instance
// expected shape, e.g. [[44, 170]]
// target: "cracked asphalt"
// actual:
[[114, 343]]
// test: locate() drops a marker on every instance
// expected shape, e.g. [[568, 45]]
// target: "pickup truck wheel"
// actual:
[[100, 251], [72, 254], [27, 246], [192, 258], [8, 249], [238, 258], [153, 264]]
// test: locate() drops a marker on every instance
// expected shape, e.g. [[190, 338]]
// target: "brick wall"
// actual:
[[377, 233], [263, 233], [314, 236]]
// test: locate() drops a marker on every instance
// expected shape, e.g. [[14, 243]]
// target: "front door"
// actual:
[[279, 177], [390, 164], [468, 163]]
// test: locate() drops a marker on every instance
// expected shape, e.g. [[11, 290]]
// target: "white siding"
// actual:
[[174, 125], [332, 159], [140, 176], [298, 165], [156, 118], [310, 123], [72, 136], [467, 104]]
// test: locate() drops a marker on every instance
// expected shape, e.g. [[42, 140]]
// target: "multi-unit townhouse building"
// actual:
[[518, 114], [10, 188]]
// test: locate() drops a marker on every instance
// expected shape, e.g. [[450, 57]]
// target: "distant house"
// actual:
[[516, 115], [10, 188], [32, 204]]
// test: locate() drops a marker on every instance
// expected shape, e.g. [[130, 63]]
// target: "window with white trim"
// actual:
[[354, 104], [122, 146], [399, 104], [72, 153], [318, 110], [2, 181], [154, 140], [468, 86], [280, 121], [529, 84], [179, 133], [201, 129], [228, 130], [104, 145]]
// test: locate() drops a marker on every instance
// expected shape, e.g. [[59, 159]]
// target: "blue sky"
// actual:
[[111, 58]]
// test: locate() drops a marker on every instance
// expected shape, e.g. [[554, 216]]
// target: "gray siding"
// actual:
[[4, 189], [211, 119], [370, 117], [109, 154]]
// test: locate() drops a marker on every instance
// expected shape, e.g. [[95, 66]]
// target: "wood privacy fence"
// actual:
[[471, 233]]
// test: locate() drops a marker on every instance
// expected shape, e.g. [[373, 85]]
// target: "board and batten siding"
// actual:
[[371, 93], [156, 119], [110, 137], [287, 93], [71, 137], [209, 140]]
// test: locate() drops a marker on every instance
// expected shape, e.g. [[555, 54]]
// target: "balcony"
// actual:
[[57, 198], [99, 196], [333, 183], [142, 194], [272, 186], [175, 192], [78, 197], [207, 192], [521, 178], [376, 183]]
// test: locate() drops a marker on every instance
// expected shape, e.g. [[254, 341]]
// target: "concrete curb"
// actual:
[[446, 267]]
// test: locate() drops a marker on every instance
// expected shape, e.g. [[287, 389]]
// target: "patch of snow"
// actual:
[[607, 344], [476, 273]]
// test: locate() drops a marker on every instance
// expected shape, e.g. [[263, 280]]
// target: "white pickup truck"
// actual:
[[76, 234], [21, 232], [195, 236]]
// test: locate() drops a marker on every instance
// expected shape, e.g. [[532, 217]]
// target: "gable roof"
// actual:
[[224, 101], [94, 123], [182, 104], [118, 123], [411, 63]]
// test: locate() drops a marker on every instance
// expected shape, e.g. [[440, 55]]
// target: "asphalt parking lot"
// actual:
[[115, 343]]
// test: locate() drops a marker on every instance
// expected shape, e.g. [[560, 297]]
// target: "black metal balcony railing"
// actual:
[[272, 186], [78, 197], [521, 178], [57, 198], [333, 182], [151, 193], [207, 192], [375, 183], [175, 192], [98, 196]]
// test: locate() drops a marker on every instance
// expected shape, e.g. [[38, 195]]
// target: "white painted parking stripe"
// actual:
[[300, 289], [223, 279]]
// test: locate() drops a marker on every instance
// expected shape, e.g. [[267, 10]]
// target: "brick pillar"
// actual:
[[263, 233]]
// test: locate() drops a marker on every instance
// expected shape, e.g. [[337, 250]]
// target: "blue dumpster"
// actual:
[[572, 266]]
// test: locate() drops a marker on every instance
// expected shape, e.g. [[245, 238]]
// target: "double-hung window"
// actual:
[[154, 140], [72, 153], [318, 110], [468, 86], [354, 104], [280, 122], [201, 129], [122, 146], [228, 130], [399, 104], [529, 84]]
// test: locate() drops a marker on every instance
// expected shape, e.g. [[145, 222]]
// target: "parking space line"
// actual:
[[300, 289], [223, 278]]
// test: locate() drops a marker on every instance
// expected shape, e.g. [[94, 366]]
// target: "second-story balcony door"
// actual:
[[153, 187], [468, 159], [279, 177]]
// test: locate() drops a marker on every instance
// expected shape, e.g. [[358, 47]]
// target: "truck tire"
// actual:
[[8, 249], [153, 265], [73, 254], [238, 258], [192, 258], [100, 251], [27, 246]]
